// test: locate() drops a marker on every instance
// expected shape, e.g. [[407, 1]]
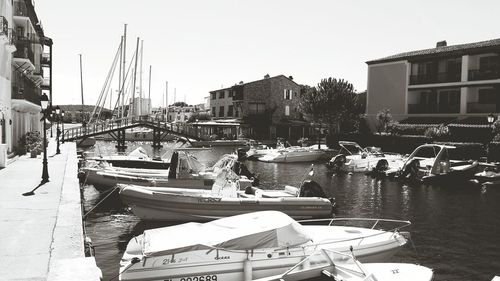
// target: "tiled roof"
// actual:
[[243, 84], [445, 50]]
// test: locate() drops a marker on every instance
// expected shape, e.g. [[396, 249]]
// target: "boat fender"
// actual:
[[247, 270]]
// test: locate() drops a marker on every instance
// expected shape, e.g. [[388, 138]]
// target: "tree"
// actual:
[[180, 103], [332, 101], [199, 116]]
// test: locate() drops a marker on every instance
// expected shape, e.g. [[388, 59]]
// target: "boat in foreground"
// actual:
[[340, 266], [247, 247], [225, 199], [490, 176]]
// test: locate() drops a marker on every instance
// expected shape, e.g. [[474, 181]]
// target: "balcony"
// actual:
[[475, 107], [25, 93], [22, 10], [443, 77], [433, 108], [483, 74]]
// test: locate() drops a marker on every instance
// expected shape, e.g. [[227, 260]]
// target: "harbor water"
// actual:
[[455, 229]]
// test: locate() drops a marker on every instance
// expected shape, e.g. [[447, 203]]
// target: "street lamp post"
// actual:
[[62, 124], [58, 131], [491, 119], [44, 101], [52, 112]]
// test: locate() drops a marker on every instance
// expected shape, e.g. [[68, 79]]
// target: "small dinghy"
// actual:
[[135, 159], [293, 154], [250, 246]]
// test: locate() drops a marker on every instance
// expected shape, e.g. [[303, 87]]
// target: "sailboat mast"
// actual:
[[149, 92], [123, 69], [166, 94], [135, 76], [140, 81], [81, 87], [119, 77]]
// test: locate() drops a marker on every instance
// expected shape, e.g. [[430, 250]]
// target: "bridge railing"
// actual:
[[112, 124]]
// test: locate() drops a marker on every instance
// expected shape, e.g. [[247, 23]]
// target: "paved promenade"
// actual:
[[41, 235]]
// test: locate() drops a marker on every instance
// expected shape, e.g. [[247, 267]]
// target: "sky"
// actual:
[[203, 45]]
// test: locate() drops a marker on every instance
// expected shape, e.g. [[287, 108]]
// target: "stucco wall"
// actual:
[[387, 88]]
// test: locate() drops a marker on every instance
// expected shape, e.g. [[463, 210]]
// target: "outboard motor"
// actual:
[[380, 168], [337, 162], [411, 170], [241, 170], [242, 154], [310, 188]]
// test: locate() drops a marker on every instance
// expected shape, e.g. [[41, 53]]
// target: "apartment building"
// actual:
[[265, 109], [456, 81], [24, 68]]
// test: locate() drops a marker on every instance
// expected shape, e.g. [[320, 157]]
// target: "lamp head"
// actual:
[[491, 118], [44, 101]]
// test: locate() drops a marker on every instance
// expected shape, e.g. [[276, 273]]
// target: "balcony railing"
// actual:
[[482, 74], [25, 93], [475, 107], [443, 77]]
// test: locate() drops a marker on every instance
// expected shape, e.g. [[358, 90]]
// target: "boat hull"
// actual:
[[290, 157], [163, 206]]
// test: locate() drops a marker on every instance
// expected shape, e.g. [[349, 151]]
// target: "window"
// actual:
[[178, 117], [221, 111], [230, 110], [287, 95], [213, 96], [256, 108], [231, 93], [488, 63], [213, 111], [287, 110], [221, 95], [486, 96], [185, 117]]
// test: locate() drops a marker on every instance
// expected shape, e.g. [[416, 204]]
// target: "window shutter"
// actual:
[[284, 94]]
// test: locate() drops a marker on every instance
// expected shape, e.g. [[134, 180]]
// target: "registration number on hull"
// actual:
[[196, 278]]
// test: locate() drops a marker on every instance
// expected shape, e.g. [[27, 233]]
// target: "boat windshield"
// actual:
[[350, 149]]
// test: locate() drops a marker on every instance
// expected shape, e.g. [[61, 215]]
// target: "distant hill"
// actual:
[[78, 107]]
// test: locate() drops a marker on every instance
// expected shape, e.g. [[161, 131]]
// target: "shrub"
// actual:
[[437, 133], [384, 117], [408, 129]]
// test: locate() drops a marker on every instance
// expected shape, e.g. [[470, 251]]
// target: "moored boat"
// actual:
[[431, 164], [135, 159], [226, 198], [247, 247], [293, 154], [185, 172], [353, 158], [339, 266]]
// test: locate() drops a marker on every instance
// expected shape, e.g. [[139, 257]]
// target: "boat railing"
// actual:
[[371, 223]]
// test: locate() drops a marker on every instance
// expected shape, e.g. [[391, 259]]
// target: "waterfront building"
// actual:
[[459, 82], [23, 59], [263, 109]]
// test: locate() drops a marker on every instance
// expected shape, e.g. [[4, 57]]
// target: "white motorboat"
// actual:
[[135, 159], [247, 247], [340, 266], [185, 171], [490, 176], [431, 163], [225, 199], [353, 158], [293, 154], [258, 150]]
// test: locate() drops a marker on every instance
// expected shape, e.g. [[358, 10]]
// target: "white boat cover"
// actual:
[[266, 229], [226, 184], [139, 153]]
